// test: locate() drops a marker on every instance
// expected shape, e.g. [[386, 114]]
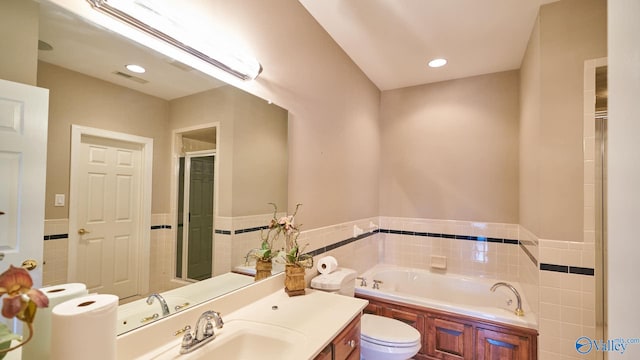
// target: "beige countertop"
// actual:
[[317, 316]]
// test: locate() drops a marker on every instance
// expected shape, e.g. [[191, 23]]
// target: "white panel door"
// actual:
[[108, 215], [23, 161]]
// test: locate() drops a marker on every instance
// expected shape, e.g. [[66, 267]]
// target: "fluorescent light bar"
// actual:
[[146, 17]]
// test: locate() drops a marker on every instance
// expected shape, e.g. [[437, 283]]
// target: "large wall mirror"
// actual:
[[219, 156]]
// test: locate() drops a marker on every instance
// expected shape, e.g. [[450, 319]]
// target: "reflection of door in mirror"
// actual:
[[196, 205], [195, 245], [106, 210]]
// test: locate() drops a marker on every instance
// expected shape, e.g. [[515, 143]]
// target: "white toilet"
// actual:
[[381, 338]]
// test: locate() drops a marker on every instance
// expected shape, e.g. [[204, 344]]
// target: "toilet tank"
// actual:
[[341, 281]]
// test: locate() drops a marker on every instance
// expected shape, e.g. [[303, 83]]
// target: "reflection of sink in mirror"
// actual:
[[136, 313], [243, 340], [130, 315]]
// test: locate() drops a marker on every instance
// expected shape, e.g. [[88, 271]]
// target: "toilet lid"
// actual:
[[387, 331]]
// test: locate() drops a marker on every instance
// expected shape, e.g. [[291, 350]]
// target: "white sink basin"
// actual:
[[246, 340]]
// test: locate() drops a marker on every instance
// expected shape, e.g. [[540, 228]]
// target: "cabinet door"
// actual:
[[449, 340], [373, 309], [326, 354], [492, 345], [347, 342], [412, 318]]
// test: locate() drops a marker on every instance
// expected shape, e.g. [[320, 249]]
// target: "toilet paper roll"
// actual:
[[327, 264], [85, 328], [40, 345]]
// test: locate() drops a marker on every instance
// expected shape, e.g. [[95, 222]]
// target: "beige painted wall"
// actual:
[[19, 41], [530, 93], [252, 151], [75, 98], [450, 150], [259, 155], [568, 33], [333, 107], [210, 106]]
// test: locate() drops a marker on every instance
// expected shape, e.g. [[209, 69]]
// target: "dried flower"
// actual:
[[20, 301], [283, 227], [16, 283]]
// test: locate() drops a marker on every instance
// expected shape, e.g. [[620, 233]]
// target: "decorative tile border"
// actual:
[[450, 236], [567, 269], [157, 227], [338, 244], [56, 237], [66, 236], [252, 229]]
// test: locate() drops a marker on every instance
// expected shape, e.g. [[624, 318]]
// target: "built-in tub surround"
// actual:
[[554, 276], [458, 294]]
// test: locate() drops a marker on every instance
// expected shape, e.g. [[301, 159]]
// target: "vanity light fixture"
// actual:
[[436, 63], [135, 68], [148, 17]]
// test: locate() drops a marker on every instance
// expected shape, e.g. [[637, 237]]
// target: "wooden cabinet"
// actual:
[[449, 336], [345, 346], [494, 345], [448, 339], [410, 316]]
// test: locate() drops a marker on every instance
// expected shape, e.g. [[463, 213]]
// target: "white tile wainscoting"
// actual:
[[556, 276]]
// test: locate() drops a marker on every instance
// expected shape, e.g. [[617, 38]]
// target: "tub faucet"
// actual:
[[163, 303], [249, 253], [518, 310], [203, 332]]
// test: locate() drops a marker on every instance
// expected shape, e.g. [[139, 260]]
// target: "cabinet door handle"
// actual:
[[352, 343]]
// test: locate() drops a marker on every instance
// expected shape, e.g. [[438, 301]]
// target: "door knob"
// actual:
[[83, 231], [29, 264]]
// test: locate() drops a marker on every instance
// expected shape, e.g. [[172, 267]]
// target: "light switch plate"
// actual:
[[59, 201]]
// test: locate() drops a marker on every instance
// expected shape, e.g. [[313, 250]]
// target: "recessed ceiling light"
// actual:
[[435, 63], [136, 68]]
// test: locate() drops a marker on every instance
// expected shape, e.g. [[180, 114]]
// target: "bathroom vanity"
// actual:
[[345, 346], [258, 316]]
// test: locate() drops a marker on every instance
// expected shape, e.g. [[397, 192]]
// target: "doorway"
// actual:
[[110, 211], [196, 159], [195, 216]]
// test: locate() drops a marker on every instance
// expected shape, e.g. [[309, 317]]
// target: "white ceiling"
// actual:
[[392, 40], [88, 49]]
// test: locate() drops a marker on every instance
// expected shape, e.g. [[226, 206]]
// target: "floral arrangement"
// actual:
[[285, 228], [21, 301]]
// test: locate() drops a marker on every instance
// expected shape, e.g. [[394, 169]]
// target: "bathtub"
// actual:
[[453, 293]]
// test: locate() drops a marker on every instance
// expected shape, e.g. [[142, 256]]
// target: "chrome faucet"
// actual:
[[203, 332], [163, 303], [518, 310], [376, 284], [249, 253]]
